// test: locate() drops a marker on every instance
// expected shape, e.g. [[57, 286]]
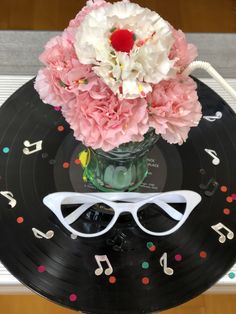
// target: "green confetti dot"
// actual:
[[149, 245], [231, 275], [145, 265], [6, 150]]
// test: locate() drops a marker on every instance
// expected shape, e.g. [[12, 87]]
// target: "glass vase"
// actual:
[[121, 169]]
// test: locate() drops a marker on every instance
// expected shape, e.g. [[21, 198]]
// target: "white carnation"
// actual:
[[129, 75]]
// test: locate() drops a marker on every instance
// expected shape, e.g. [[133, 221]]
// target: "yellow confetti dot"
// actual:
[[140, 87], [85, 178], [84, 158]]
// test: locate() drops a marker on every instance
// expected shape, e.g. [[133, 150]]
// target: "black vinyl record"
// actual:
[[39, 155]]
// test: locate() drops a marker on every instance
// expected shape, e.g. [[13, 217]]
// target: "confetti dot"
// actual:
[[229, 199], [112, 280], [226, 211], [20, 220], [224, 189], [145, 280], [203, 254], [77, 161], [231, 275], [73, 236], [145, 265], [44, 155], [233, 197], [57, 108], [178, 258], [6, 150], [60, 128], [73, 297], [151, 247], [66, 165], [41, 269]]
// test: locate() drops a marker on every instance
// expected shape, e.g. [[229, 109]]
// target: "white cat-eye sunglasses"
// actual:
[[128, 203]]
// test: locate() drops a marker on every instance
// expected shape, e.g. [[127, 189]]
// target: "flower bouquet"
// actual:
[[120, 74]]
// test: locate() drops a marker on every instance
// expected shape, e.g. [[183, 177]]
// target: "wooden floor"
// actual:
[[189, 15], [205, 304]]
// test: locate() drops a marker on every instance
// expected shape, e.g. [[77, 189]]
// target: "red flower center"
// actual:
[[122, 40]]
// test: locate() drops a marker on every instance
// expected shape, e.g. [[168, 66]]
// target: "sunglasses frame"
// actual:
[[55, 200]]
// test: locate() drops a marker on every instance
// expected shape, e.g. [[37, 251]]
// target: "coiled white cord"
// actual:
[[212, 72]]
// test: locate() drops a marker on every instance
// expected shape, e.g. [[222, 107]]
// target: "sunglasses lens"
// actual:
[[88, 220], [155, 219]]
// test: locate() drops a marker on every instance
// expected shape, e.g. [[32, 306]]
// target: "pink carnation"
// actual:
[[48, 86], [107, 123], [183, 52], [64, 77], [174, 108]]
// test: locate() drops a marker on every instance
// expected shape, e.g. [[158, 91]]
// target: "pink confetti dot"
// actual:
[[73, 297], [41, 269], [178, 257], [57, 108]]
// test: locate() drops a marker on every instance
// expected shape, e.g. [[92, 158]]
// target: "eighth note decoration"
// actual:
[[101, 259]]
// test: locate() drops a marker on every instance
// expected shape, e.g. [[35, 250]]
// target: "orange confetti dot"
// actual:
[[77, 161], [145, 280], [20, 220], [226, 211], [229, 199], [60, 128], [112, 279], [153, 248], [224, 189], [66, 165], [203, 254]]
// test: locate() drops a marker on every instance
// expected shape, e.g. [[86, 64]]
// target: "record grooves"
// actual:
[[38, 157]]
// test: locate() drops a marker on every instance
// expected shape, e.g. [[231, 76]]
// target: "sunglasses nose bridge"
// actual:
[[124, 207]]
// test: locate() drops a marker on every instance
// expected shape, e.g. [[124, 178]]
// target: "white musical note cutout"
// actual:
[[10, 197], [218, 115], [222, 238], [213, 154], [27, 144], [99, 271], [40, 235], [163, 262]]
